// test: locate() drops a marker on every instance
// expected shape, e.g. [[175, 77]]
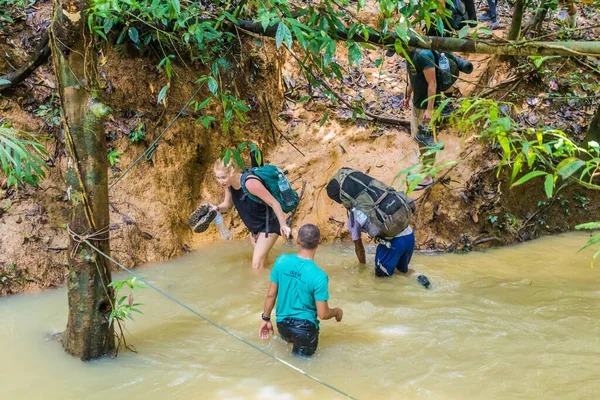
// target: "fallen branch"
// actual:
[[480, 46], [40, 56]]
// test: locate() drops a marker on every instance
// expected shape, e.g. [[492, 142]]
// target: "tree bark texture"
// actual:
[[517, 20], [593, 132], [509, 48], [88, 334], [535, 25]]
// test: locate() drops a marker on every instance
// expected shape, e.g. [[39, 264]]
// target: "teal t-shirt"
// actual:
[[422, 60], [301, 283]]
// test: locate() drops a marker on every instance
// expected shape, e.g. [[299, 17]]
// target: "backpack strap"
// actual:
[[248, 174]]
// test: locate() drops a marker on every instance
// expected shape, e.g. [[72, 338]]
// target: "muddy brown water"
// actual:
[[519, 322]]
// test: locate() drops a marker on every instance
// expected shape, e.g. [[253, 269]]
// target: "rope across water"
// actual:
[[216, 325]]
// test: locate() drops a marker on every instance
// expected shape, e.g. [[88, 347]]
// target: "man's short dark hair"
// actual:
[[333, 191], [309, 236]]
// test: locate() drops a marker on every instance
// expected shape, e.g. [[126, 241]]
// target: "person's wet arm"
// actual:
[[431, 91], [227, 203], [359, 249], [270, 300], [355, 233], [324, 312], [266, 327]]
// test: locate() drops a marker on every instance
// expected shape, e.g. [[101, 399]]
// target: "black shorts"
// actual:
[[302, 333]]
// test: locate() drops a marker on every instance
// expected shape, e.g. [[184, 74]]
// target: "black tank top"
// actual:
[[254, 214]]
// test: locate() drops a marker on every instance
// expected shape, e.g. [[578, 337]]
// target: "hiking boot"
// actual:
[[205, 221], [201, 218], [424, 136], [448, 110], [493, 25], [485, 17], [422, 279]]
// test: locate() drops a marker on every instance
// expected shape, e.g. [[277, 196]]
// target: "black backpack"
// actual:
[[438, 72], [459, 14], [454, 71]]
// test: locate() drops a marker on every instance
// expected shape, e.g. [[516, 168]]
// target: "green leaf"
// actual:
[[207, 120], [238, 159], [227, 156], [354, 54], [241, 147], [283, 34], [162, 94], [5, 82], [324, 119], [527, 177], [213, 86], [204, 104], [549, 185], [588, 225], [594, 240], [168, 68], [176, 7], [569, 166], [464, 31], [303, 99], [133, 34]]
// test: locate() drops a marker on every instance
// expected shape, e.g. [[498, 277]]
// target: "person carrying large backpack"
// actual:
[[381, 212], [261, 195]]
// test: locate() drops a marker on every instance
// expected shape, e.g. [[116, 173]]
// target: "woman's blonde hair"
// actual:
[[230, 168]]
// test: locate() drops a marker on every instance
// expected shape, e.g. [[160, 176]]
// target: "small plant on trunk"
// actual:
[[123, 307]]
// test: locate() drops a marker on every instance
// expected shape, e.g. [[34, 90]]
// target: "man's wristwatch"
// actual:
[[267, 319]]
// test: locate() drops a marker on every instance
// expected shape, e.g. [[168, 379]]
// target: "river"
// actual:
[[512, 323]]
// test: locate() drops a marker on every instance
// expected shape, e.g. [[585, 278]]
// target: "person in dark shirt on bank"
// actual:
[[423, 89]]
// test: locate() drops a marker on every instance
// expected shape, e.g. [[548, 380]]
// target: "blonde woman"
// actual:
[[265, 220]]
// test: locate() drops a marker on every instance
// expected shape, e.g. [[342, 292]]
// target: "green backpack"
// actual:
[[276, 183], [388, 211]]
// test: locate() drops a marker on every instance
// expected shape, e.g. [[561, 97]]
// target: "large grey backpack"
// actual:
[[388, 211]]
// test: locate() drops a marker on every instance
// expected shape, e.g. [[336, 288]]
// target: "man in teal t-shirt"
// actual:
[[303, 293]]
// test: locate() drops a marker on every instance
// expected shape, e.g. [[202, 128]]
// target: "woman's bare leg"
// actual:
[[262, 247]]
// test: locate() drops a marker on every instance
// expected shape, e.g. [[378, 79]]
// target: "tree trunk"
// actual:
[[88, 334], [535, 25], [517, 20], [568, 48], [593, 132]]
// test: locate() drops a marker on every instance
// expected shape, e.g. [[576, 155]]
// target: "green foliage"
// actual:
[[50, 112], [544, 152], [9, 8], [593, 241], [113, 157], [199, 30], [123, 305], [411, 176], [136, 135], [19, 159], [236, 153]]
